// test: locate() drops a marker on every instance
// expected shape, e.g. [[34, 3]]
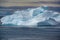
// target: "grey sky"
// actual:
[[29, 2], [26, 0]]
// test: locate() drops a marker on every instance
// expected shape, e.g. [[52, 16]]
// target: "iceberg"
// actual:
[[33, 16]]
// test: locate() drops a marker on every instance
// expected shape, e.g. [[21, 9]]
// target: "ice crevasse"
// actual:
[[32, 16]]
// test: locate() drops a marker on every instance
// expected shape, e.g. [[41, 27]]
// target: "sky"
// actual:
[[54, 3]]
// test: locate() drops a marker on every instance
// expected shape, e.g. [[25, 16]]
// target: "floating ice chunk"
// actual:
[[56, 17], [52, 22], [38, 10], [32, 17]]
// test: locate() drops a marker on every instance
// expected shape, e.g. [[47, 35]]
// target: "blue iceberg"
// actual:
[[32, 17]]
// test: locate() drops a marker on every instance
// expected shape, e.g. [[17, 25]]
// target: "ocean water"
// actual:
[[10, 33], [46, 32]]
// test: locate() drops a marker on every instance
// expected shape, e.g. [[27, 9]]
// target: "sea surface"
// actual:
[[26, 33]]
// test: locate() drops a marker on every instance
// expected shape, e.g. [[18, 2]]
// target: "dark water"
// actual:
[[24, 33], [29, 33]]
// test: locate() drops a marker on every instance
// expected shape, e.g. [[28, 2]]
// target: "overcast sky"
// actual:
[[25, 0], [29, 2]]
